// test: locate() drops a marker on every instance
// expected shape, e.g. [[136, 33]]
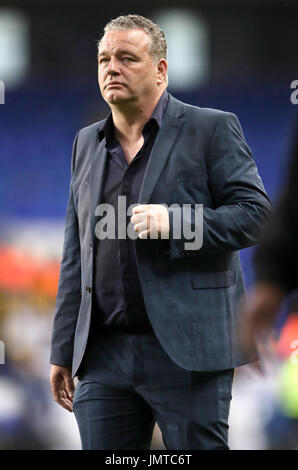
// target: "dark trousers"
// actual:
[[127, 383]]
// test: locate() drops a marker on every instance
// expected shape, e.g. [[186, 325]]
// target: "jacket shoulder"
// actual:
[[90, 130], [207, 117], [211, 114], [84, 141]]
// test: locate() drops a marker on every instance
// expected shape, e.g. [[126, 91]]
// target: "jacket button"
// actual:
[[88, 289]]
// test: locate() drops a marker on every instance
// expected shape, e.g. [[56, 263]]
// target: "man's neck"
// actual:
[[129, 121]]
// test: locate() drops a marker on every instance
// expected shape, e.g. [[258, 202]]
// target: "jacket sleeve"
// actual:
[[69, 287], [241, 203], [276, 258]]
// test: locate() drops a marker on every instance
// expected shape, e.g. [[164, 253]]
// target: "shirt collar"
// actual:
[[107, 127]]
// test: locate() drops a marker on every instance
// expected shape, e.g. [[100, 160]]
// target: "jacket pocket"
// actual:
[[212, 280]]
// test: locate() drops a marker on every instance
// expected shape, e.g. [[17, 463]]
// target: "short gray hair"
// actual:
[[158, 44]]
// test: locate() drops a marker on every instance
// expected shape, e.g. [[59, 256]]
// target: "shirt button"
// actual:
[[88, 289], [90, 246]]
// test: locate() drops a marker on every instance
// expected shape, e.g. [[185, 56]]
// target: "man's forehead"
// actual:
[[119, 39], [112, 43]]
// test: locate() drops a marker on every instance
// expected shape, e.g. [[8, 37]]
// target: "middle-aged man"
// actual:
[[147, 323]]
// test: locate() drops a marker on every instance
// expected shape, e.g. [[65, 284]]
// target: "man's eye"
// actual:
[[103, 61], [129, 59]]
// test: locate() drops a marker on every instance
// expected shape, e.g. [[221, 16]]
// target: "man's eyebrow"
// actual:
[[118, 51]]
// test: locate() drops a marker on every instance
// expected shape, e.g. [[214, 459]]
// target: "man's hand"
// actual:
[[151, 220], [259, 313], [62, 386]]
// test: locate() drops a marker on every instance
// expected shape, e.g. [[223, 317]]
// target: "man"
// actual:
[[160, 346], [276, 262]]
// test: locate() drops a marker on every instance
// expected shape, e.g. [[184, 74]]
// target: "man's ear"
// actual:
[[162, 69]]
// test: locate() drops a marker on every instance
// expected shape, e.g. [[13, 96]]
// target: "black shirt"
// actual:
[[118, 302]]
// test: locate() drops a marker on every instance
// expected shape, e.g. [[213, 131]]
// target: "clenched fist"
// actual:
[[151, 221]]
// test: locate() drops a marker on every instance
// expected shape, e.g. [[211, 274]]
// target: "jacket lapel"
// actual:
[[98, 165], [170, 128]]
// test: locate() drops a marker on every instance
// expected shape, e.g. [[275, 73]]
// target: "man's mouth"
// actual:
[[114, 84]]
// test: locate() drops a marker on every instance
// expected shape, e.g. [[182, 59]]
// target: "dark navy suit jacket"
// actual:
[[199, 157]]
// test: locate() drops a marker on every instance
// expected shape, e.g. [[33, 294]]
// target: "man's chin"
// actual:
[[115, 98], [119, 98]]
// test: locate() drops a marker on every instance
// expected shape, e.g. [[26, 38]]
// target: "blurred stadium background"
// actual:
[[238, 56]]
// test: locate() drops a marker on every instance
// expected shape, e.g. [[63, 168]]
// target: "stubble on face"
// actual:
[[126, 70]]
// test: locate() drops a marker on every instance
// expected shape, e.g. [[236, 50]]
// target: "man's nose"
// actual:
[[112, 67]]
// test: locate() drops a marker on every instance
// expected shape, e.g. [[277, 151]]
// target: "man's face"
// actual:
[[126, 71]]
